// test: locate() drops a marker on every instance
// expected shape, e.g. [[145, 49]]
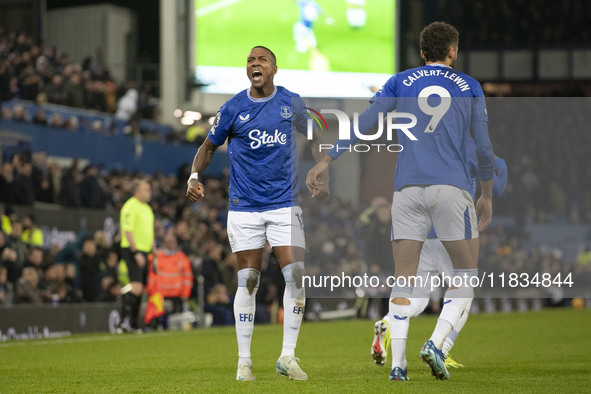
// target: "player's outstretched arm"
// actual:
[[201, 161]]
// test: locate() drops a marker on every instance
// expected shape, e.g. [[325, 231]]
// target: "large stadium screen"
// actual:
[[324, 48]]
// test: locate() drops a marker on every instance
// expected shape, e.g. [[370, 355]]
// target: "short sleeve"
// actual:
[[127, 218], [300, 115], [222, 124]]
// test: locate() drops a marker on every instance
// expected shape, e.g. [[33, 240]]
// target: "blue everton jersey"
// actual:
[[262, 148], [446, 104]]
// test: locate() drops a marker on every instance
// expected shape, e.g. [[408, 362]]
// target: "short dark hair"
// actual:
[[436, 39], [268, 50]]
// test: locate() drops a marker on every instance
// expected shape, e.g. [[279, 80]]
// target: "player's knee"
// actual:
[[463, 283], [294, 273], [400, 301], [249, 278], [400, 295]]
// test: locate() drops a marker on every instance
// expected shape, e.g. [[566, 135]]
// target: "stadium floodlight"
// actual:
[[186, 121], [193, 115]]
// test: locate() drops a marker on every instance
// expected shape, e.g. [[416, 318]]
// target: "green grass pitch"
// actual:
[[545, 351], [224, 36]]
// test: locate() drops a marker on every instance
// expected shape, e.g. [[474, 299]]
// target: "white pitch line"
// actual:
[[208, 9], [55, 341], [108, 337]]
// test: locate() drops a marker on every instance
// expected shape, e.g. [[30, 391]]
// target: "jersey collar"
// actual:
[[438, 65], [262, 99]]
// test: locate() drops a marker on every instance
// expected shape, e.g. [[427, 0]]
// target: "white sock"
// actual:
[[244, 310], [455, 302], [460, 324], [453, 335], [294, 302], [399, 323], [442, 330], [450, 314], [417, 306], [449, 342]]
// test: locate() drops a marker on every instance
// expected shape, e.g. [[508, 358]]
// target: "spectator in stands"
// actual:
[[56, 120], [7, 184], [217, 302], [6, 113], [57, 287], [41, 99], [7, 218], [32, 235], [228, 272], [26, 289], [35, 260], [111, 265], [16, 242], [19, 114], [127, 105], [72, 124], [95, 95], [148, 103], [183, 236], [42, 178], [111, 292], [55, 90], [7, 80], [29, 86], [90, 271], [210, 268], [103, 245], [8, 258], [40, 117], [6, 288], [70, 186], [55, 178], [25, 191], [90, 190], [74, 92]]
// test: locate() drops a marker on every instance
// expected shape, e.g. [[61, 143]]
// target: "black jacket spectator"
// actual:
[[90, 190], [25, 192], [90, 272], [7, 185], [70, 187]]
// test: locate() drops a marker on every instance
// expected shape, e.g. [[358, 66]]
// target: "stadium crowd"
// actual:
[[43, 75]]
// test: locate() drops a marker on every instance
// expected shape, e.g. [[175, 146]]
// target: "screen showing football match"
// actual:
[[324, 48]]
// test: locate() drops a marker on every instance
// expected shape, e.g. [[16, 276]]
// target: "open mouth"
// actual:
[[257, 76]]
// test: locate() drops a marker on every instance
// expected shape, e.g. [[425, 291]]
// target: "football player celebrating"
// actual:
[[432, 184], [259, 124]]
